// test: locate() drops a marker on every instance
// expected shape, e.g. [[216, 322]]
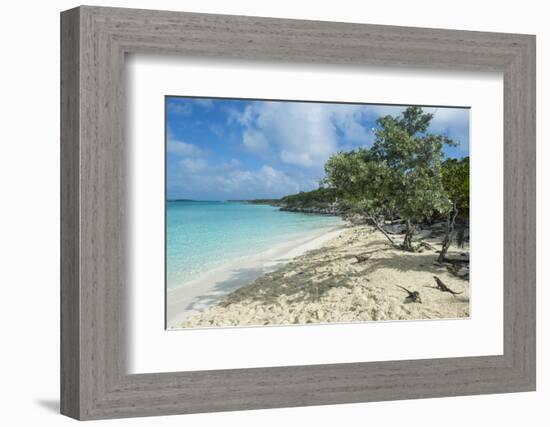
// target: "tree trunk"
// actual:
[[409, 232], [381, 229], [451, 218]]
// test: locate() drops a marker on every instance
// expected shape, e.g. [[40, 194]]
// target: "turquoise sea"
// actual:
[[201, 235]]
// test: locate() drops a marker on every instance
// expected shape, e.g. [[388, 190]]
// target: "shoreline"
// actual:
[[327, 283], [212, 287]]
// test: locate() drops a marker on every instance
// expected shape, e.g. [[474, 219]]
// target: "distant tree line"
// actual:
[[319, 197]]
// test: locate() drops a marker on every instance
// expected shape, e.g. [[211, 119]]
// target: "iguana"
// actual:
[[443, 288], [414, 296]]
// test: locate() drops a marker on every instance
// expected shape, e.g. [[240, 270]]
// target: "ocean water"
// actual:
[[201, 236]]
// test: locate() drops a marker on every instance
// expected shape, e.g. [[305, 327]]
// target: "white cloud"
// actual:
[[192, 165], [444, 117], [453, 122], [264, 181], [348, 118], [181, 148], [203, 102], [448, 117], [179, 107], [374, 112], [196, 178], [450, 121], [234, 163], [300, 133], [255, 141]]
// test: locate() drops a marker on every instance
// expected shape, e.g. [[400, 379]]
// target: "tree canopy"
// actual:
[[456, 181], [401, 174]]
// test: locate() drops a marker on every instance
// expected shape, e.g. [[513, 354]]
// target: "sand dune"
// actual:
[[328, 284]]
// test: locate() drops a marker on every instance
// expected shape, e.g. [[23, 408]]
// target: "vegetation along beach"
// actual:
[[383, 236]]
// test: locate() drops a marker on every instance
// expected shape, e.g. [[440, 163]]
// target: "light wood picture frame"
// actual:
[[94, 379]]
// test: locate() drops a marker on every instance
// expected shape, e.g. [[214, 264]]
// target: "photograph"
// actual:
[[266, 213], [299, 212]]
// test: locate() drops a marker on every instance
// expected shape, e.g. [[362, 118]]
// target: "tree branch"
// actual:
[[382, 230]]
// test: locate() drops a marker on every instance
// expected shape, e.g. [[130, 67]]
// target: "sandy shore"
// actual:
[[211, 288], [328, 284]]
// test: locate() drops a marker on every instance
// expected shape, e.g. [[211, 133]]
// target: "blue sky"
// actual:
[[219, 149]]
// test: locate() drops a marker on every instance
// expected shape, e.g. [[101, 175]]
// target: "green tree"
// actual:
[[400, 174], [358, 178], [456, 181]]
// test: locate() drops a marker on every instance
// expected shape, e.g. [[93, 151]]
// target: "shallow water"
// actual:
[[201, 236]]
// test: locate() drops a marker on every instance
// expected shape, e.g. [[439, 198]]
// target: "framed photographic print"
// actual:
[[262, 213], [293, 212]]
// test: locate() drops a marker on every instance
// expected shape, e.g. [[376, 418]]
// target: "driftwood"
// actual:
[[426, 245]]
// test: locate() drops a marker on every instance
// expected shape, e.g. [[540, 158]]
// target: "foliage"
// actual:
[[320, 196], [358, 178], [259, 201], [399, 175], [456, 181]]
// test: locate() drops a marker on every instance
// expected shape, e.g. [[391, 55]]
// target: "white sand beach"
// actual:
[[321, 281], [211, 288]]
